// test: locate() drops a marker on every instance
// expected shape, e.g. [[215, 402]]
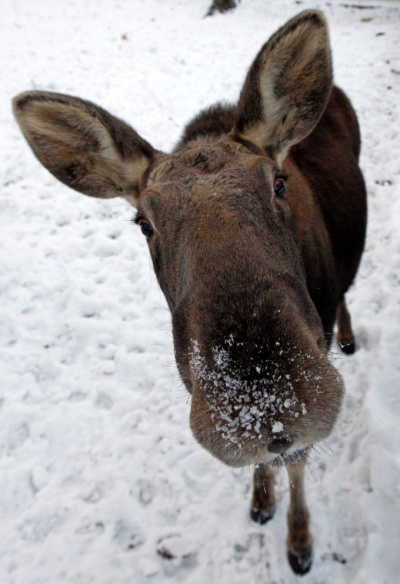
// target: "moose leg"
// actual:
[[299, 540], [345, 334], [263, 501]]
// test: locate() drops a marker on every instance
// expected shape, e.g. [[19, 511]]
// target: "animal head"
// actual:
[[216, 213]]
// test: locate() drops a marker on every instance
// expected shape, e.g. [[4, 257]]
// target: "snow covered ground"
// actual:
[[100, 478]]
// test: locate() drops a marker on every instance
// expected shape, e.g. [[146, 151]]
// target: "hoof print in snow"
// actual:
[[177, 550], [384, 182], [127, 536], [335, 557], [253, 547], [91, 529], [339, 558], [165, 553], [146, 492], [94, 495], [104, 401], [301, 564]]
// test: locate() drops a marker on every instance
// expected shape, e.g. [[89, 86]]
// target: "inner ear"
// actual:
[[287, 87], [83, 145]]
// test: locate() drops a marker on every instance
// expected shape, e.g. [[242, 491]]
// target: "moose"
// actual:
[[255, 225]]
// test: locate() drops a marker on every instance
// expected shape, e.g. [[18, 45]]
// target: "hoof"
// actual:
[[348, 348], [260, 516], [301, 564]]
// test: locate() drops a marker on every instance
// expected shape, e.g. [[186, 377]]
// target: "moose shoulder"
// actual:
[[255, 225]]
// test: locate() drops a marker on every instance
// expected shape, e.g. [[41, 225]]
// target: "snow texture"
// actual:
[[100, 478]]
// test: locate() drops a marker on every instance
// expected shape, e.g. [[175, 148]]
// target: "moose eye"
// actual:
[[146, 228], [280, 187]]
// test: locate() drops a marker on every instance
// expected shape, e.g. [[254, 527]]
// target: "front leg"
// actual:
[[263, 501], [345, 335], [299, 540]]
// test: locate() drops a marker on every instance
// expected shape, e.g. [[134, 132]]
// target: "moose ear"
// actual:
[[82, 145], [287, 87]]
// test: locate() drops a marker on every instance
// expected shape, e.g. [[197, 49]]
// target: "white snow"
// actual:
[[100, 478], [277, 427]]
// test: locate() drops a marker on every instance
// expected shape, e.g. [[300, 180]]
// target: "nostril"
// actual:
[[280, 442]]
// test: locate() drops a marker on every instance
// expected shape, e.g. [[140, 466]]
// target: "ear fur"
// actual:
[[82, 145], [287, 87]]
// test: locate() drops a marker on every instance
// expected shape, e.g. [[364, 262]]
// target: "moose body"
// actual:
[[256, 225]]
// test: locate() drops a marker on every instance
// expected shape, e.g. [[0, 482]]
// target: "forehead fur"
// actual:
[[223, 157]]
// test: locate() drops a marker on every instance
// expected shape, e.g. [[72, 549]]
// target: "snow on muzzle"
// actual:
[[269, 410]]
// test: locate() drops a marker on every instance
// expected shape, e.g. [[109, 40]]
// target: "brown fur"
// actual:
[[253, 279]]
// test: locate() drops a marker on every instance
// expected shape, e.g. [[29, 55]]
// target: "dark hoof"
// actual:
[[348, 348], [301, 564], [262, 517]]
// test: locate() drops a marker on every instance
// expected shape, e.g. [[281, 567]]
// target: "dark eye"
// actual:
[[146, 228], [280, 187]]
